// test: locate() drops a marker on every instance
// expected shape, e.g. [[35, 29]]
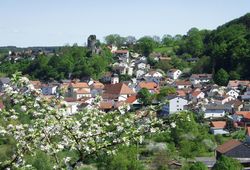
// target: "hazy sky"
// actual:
[[58, 22]]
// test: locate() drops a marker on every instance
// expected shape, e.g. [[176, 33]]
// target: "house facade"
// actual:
[[174, 73]]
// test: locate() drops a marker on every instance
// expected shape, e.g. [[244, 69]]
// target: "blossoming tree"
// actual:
[[52, 130]]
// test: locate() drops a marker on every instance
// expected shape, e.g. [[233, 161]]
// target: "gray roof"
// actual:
[[214, 106], [208, 161]]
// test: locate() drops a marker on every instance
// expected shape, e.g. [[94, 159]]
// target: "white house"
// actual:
[[117, 92], [141, 65], [232, 92], [182, 84], [139, 73], [72, 107], [196, 95], [49, 89], [153, 76], [234, 84], [218, 127], [174, 73], [79, 90], [176, 104], [214, 111], [200, 78]]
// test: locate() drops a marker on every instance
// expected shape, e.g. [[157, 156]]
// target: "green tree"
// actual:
[[125, 159], [234, 75], [115, 39], [165, 91], [227, 163], [40, 161], [221, 77], [145, 45], [145, 96], [198, 166]]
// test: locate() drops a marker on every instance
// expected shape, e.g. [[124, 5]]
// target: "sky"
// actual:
[[26, 23]]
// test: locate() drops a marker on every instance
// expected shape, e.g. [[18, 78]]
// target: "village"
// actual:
[[225, 109]]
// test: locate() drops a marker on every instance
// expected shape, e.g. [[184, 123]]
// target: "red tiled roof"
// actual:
[[131, 99], [36, 83], [106, 105], [218, 124], [245, 114], [228, 146], [97, 85], [79, 85], [236, 83], [148, 85], [118, 89], [181, 82]]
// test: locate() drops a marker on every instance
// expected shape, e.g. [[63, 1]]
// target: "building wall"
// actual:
[[177, 104]]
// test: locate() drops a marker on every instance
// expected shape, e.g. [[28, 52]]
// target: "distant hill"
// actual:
[[16, 49]]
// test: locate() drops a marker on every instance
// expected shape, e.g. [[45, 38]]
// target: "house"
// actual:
[[246, 95], [49, 89], [222, 99], [106, 78], [141, 65], [4, 81], [242, 117], [232, 92], [71, 105], [196, 95], [96, 88], [151, 86], [200, 78], [36, 83], [114, 79], [133, 100], [235, 149], [218, 127], [182, 84], [81, 93], [139, 73], [154, 76], [233, 105], [121, 53], [235, 84], [117, 92], [175, 104], [106, 105], [79, 90], [174, 73], [213, 110]]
